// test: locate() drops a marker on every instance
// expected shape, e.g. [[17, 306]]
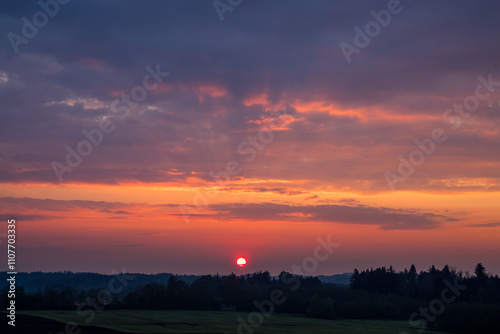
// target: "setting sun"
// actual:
[[241, 262]]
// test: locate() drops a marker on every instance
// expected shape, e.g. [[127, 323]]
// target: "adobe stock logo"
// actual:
[[266, 307], [120, 108], [454, 117], [30, 29], [225, 6], [372, 29]]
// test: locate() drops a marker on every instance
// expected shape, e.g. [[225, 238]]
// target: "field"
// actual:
[[131, 321]]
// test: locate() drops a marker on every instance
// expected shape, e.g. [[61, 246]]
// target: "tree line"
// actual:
[[444, 299]]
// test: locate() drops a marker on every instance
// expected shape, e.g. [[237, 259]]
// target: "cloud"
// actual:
[[278, 190], [347, 125], [385, 218], [23, 217], [21, 204], [485, 225], [311, 197]]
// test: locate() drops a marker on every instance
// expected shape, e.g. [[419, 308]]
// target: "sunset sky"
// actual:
[[263, 137]]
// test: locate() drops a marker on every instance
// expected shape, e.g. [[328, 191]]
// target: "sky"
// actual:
[[176, 136]]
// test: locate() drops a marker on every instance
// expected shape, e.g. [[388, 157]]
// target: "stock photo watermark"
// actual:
[[105, 296], [249, 148], [363, 37], [11, 274], [454, 117], [277, 296], [436, 306], [222, 6], [30, 28], [121, 107]]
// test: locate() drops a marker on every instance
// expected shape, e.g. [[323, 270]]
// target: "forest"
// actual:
[[445, 300]]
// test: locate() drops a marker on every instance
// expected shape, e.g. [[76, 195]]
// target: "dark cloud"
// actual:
[[22, 217], [311, 197], [485, 225], [279, 190], [20, 204], [385, 218]]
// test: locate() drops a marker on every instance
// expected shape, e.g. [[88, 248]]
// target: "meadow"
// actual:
[[146, 321]]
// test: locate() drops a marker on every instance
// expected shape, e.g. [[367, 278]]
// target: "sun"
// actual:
[[241, 262]]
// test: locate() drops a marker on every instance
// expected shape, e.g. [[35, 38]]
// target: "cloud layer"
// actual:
[[350, 122], [260, 109]]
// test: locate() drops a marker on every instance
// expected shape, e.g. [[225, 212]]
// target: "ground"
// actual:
[[144, 321]]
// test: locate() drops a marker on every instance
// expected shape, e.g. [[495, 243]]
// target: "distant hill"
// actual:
[[340, 279], [40, 281], [34, 281]]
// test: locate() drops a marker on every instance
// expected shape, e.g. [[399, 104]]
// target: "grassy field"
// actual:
[[222, 322]]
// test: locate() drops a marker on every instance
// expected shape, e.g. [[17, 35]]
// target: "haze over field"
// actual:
[[160, 138]]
